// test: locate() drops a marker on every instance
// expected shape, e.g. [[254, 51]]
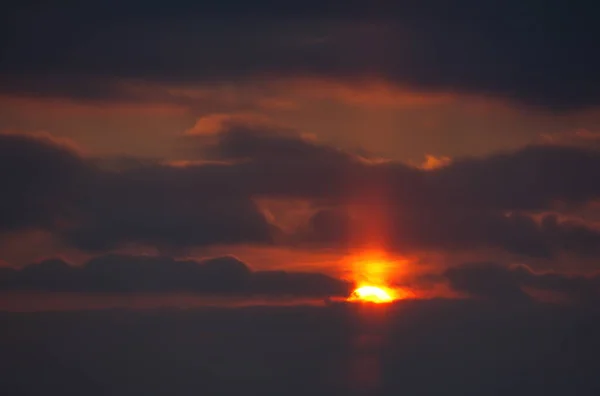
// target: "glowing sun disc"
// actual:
[[372, 294]]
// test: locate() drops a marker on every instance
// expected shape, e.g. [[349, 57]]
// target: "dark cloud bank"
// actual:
[[226, 276], [495, 282], [473, 203], [50, 187], [500, 341], [229, 277], [437, 347], [533, 52]]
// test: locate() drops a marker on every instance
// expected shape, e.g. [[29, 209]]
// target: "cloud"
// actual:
[[577, 138], [503, 283], [516, 233], [486, 280], [434, 347], [431, 46], [530, 178], [268, 145], [328, 226], [215, 123], [366, 94], [276, 163], [471, 203], [40, 179], [404, 229], [224, 275], [49, 186], [433, 162], [158, 207], [298, 284]]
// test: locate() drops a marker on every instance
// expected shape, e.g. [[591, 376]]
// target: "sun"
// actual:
[[372, 294], [375, 275]]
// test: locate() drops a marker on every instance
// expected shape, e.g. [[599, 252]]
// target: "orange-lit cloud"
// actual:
[[215, 123], [63, 107], [368, 93], [53, 140], [433, 162]]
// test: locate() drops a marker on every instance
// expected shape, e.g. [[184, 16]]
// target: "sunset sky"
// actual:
[[299, 198], [299, 148]]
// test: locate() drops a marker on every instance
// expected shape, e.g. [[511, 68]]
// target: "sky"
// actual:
[[240, 149], [197, 197]]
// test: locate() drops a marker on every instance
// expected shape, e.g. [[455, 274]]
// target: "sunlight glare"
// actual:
[[373, 294]]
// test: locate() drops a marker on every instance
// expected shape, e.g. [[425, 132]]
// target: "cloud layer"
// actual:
[[226, 276], [531, 52], [416, 347], [495, 202], [502, 283], [50, 187]]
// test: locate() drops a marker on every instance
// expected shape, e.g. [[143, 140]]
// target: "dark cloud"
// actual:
[[328, 226], [145, 207], [40, 180], [273, 146], [432, 347], [576, 287], [530, 178], [502, 283], [535, 52], [518, 233], [456, 229], [280, 164], [298, 284], [475, 203], [486, 280], [472, 203], [226, 276], [51, 187]]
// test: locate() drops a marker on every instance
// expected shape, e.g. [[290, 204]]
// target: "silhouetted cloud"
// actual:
[[167, 212], [487, 280], [409, 228], [226, 276], [474, 203], [532, 177], [40, 180], [298, 284], [504, 283], [464, 46], [49, 186], [433, 347]]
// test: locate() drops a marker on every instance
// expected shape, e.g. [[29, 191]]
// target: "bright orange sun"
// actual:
[[373, 294]]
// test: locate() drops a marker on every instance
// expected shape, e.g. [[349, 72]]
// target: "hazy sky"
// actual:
[[454, 143], [197, 197]]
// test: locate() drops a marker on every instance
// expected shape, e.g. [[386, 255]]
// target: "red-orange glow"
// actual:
[[375, 267], [432, 162], [373, 274], [215, 123]]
